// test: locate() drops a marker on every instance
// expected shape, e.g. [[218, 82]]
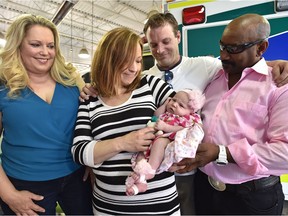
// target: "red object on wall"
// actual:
[[194, 15]]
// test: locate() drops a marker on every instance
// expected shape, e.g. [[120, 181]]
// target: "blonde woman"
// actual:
[[38, 105]]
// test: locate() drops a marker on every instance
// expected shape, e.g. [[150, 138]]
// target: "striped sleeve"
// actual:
[[83, 137], [160, 89]]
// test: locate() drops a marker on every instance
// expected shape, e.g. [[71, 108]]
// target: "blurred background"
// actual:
[[81, 23]]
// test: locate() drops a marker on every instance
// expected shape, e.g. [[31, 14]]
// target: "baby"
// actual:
[[179, 134]]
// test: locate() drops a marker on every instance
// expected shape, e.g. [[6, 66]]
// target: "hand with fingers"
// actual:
[[206, 153], [139, 140], [279, 71], [87, 91], [22, 203]]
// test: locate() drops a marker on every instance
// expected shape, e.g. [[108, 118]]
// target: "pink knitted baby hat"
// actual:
[[196, 99]]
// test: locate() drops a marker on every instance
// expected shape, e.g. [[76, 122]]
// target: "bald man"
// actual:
[[245, 147]]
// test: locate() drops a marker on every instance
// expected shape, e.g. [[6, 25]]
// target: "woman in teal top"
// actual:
[[38, 104]]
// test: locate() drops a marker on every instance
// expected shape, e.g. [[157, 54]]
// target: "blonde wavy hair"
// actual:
[[114, 53], [12, 71]]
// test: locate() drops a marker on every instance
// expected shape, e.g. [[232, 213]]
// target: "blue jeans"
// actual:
[[73, 195]]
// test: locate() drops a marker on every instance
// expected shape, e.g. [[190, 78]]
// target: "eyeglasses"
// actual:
[[235, 49], [168, 76]]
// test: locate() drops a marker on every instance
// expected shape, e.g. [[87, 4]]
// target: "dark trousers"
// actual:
[[267, 201], [185, 189], [73, 195]]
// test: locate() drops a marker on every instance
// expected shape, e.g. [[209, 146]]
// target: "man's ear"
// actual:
[[178, 36], [262, 47]]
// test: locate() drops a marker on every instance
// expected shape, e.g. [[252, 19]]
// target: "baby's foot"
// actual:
[[136, 188], [130, 181], [131, 191], [134, 178], [142, 187], [145, 169]]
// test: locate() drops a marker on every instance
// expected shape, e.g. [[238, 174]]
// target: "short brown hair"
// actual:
[[161, 19], [114, 52]]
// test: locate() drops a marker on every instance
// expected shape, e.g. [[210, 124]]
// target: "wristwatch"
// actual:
[[222, 156]]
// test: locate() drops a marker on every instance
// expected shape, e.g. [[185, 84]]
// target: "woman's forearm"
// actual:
[[104, 150], [5, 186]]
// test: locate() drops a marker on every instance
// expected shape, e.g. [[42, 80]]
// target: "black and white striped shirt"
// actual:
[[97, 121]]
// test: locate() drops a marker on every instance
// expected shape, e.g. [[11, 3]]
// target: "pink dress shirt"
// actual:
[[252, 120]]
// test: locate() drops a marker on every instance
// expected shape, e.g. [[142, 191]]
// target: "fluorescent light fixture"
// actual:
[[65, 7]]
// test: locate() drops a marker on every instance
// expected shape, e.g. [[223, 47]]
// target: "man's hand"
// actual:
[[206, 153], [279, 71], [87, 91], [89, 173]]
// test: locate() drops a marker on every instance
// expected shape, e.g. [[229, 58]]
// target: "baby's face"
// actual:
[[178, 105]]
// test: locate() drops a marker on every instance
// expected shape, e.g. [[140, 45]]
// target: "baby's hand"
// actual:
[[160, 125]]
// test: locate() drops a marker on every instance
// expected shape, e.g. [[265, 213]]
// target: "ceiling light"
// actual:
[[65, 7], [84, 53]]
